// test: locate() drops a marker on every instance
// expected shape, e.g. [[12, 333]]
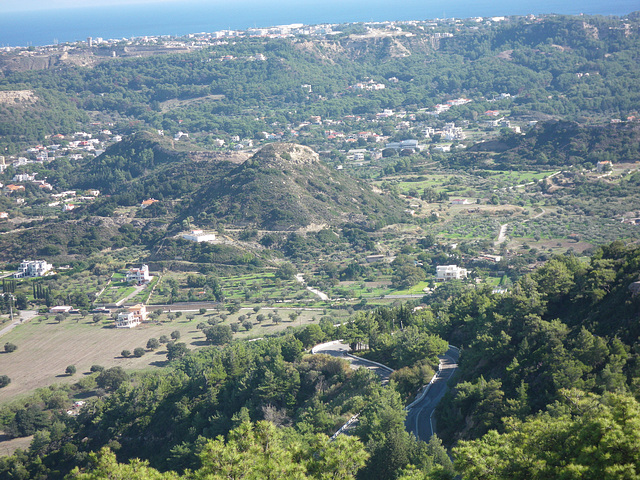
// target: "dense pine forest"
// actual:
[[547, 387]]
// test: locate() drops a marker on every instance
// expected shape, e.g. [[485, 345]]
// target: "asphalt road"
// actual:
[[339, 349], [420, 419]]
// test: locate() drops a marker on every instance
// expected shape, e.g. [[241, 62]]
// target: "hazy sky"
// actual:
[[27, 5]]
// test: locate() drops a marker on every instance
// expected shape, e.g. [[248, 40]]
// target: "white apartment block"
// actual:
[[450, 272], [32, 268]]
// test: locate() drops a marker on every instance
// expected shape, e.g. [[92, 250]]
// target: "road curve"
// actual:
[[420, 419], [341, 350]]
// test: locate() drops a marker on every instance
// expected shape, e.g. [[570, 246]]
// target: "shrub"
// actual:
[[111, 378], [138, 352], [70, 370], [96, 368], [125, 353], [4, 381], [10, 347]]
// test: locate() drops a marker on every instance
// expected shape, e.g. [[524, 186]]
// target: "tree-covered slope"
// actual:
[[286, 186], [562, 144]]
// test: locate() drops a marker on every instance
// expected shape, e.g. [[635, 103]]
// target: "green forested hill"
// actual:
[[286, 186], [561, 144]]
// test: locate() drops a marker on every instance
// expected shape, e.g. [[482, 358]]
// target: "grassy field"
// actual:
[[46, 348], [415, 290]]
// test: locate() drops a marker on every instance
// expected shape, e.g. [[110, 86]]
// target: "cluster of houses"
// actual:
[[132, 317], [73, 147]]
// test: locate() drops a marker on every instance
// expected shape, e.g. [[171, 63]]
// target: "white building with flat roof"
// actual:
[[33, 268], [450, 272], [199, 236]]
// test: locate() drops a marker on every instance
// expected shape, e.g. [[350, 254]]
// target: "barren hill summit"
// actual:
[[285, 154]]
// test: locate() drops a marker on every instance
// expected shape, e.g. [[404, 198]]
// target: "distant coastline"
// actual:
[[177, 19]]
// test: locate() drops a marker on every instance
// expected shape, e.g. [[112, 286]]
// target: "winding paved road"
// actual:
[[341, 350], [420, 419]]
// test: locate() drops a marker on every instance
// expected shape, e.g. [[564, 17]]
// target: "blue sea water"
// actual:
[[46, 27]]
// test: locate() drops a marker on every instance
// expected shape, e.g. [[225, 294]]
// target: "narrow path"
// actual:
[[138, 289], [323, 296], [24, 317], [502, 235]]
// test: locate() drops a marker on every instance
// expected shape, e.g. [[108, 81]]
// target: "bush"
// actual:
[[138, 352], [4, 381], [125, 353], [112, 378], [176, 350], [10, 347], [219, 334], [96, 368], [163, 339], [70, 370], [202, 311]]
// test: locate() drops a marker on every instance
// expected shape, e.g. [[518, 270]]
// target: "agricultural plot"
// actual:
[[258, 288], [586, 228], [46, 348]]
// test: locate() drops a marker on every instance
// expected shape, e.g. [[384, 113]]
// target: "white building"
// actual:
[[24, 177], [32, 268], [139, 275], [450, 272], [199, 236], [134, 317]]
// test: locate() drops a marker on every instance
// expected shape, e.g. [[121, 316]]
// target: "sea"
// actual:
[[59, 25]]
